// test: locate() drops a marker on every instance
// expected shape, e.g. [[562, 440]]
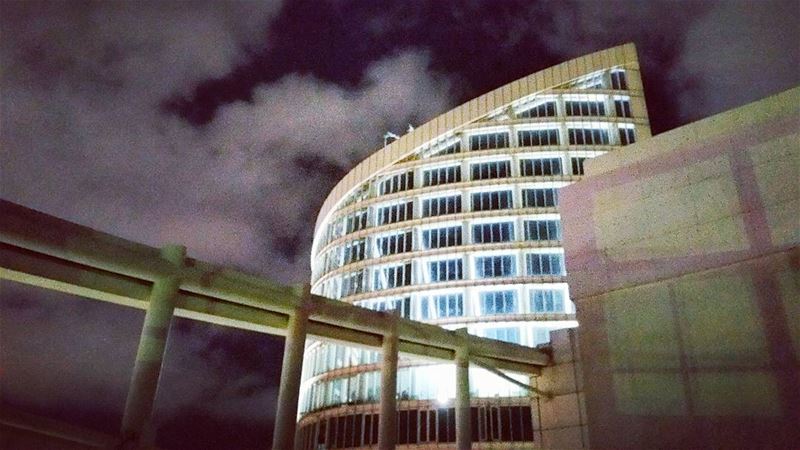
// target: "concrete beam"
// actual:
[[47, 237]]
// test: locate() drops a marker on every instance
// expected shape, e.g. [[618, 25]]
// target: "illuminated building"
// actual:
[[456, 223]]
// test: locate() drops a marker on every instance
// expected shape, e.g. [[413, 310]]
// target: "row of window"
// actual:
[[485, 267], [417, 426], [551, 136], [439, 306], [442, 237], [480, 201], [358, 220]]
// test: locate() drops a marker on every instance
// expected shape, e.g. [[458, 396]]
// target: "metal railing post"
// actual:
[[387, 424], [291, 373], [463, 430], [136, 426]]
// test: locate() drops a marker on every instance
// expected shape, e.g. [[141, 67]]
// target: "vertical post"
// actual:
[[136, 427], [463, 431], [387, 424], [291, 373]]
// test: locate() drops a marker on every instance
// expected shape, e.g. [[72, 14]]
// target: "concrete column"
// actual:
[[387, 425], [291, 374], [136, 427], [463, 422]]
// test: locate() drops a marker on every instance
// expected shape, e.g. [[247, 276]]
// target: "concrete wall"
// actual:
[[683, 260], [561, 419]]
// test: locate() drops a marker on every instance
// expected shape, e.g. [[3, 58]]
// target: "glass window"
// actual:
[[441, 237], [588, 136], [547, 301], [539, 198], [577, 166], [505, 334], [623, 108], [441, 206], [395, 243], [585, 108], [484, 233], [495, 266], [488, 141], [352, 283], [531, 138], [401, 304], [489, 170], [397, 183], [542, 230], [441, 175], [619, 80], [626, 136], [392, 276], [395, 213], [539, 167], [498, 302], [547, 109], [355, 251], [545, 264], [355, 221], [447, 150], [487, 201], [442, 305], [446, 270]]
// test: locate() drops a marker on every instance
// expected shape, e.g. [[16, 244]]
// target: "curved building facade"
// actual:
[[456, 223]]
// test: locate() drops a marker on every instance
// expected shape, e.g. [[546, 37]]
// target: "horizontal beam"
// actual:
[[55, 429], [45, 251]]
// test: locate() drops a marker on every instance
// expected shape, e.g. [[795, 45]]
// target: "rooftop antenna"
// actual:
[[389, 135], [410, 128]]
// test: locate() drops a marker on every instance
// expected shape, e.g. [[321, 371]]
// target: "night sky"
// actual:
[[223, 126]]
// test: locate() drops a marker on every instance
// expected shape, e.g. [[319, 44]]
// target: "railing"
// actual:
[[48, 252]]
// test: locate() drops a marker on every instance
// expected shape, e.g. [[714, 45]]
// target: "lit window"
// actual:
[[547, 301], [392, 276], [577, 166], [505, 334], [352, 283], [441, 175], [498, 302], [355, 251], [489, 170], [542, 230], [585, 108], [539, 198], [623, 108], [547, 109], [531, 138], [539, 167], [488, 201], [588, 136], [441, 206], [447, 270], [495, 266], [627, 136], [619, 80], [446, 150], [441, 237], [355, 221], [399, 304], [397, 183], [488, 141], [442, 305], [484, 233], [393, 244], [395, 213], [545, 264]]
